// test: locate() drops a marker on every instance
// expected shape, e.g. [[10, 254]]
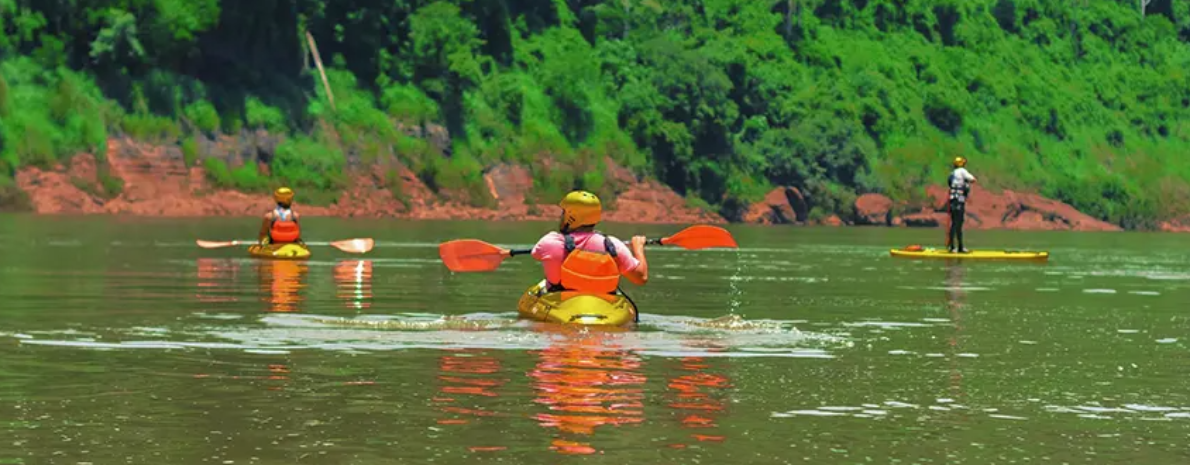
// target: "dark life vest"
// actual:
[[959, 189]]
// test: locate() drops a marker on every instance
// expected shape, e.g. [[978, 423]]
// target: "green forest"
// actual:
[[1087, 102]]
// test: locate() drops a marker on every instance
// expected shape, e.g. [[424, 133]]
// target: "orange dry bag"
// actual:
[[590, 272]]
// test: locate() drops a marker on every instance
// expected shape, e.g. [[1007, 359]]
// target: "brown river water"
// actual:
[[122, 342]]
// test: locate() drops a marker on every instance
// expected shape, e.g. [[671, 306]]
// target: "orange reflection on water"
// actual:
[[697, 396], [275, 380], [280, 374], [353, 283], [466, 377], [283, 281], [586, 381], [215, 274]]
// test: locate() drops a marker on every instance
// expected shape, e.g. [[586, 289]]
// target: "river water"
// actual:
[[122, 342]]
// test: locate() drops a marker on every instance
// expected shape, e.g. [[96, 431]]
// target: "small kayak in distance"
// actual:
[[575, 308], [290, 251], [972, 255]]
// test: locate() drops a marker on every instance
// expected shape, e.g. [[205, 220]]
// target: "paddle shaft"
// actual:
[[468, 255], [515, 252], [358, 245]]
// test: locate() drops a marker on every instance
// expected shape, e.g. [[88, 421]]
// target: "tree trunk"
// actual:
[[627, 16], [798, 7], [1075, 37], [318, 62], [788, 19]]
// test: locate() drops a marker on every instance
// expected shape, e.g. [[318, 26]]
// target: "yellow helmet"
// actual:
[[580, 208], [283, 195], [960, 162]]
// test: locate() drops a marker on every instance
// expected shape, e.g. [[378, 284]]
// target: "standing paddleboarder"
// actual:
[[959, 182]]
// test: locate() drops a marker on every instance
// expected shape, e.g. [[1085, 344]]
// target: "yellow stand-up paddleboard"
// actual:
[[918, 252], [575, 308], [290, 251]]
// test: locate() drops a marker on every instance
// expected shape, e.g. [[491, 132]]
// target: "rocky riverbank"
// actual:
[[986, 210], [157, 182]]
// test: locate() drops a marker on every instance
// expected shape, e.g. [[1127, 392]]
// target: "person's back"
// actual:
[[959, 182], [584, 261], [578, 258], [280, 226]]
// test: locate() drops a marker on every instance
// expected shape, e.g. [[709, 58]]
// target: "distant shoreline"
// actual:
[[154, 181]]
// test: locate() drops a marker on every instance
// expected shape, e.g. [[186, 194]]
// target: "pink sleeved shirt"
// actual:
[[551, 250]]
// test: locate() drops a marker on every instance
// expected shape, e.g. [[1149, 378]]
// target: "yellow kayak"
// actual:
[[973, 255], [290, 251], [575, 308]]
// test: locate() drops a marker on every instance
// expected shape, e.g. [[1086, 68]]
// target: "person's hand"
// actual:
[[505, 253], [638, 244]]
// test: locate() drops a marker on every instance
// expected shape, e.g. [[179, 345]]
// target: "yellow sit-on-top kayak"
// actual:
[[914, 252], [575, 308], [289, 251]]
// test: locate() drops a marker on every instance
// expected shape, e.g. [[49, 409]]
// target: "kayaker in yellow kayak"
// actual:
[[578, 258], [280, 226], [959, 182]]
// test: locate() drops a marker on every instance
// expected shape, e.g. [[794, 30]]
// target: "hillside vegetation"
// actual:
[[1087, 102]]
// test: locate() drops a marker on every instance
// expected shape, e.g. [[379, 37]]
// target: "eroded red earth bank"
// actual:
[[158, 183]]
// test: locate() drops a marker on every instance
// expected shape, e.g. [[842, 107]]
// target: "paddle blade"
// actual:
[[470, 255], [217, 244], [701, 237], [354, 245]]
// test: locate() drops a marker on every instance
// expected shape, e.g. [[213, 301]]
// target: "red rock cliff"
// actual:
[[158, 183], [985, 210]]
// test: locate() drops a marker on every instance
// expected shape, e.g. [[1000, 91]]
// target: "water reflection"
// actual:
[[586, 380], [466, 377], [468, 380], [696, 394], [214, 276], [282, 282], [353, 283], [956, 298], [278, 376]]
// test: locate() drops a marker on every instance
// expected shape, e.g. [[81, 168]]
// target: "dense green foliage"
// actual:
[[1084, 101]]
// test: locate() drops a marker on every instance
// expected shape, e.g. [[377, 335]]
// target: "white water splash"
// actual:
[[894, 408], [284, 333], [734, 292]]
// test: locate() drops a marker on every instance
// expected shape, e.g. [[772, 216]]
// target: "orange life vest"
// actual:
[[284, 228], [590, 272]]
